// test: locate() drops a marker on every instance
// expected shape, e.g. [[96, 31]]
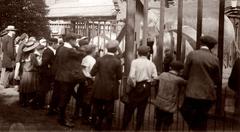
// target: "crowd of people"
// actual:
[[40, 66]]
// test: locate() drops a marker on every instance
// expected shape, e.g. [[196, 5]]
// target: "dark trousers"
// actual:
[[79, 97], [103, 109], [66, 91], [55, 96], [138, 99], [164, 120], [45, 86], [129, 111], [195, 113], [25, 98]]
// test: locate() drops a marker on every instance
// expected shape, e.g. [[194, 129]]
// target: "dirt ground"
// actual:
[[13, 117]]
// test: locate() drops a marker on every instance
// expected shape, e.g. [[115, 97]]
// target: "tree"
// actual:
[[27, 16]]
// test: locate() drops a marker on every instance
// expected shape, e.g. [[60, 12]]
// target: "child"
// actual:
[[167, 95]]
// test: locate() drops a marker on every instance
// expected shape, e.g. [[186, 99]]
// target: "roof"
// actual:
[[90, 8]]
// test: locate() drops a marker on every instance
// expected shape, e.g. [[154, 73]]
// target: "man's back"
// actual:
[[108, 72], [202, 72], [168, 90]]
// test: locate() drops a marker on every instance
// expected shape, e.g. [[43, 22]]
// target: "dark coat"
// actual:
[[47, 61], [66, 62], [234, 79], [108, 72], [203, 74], [8, 52]]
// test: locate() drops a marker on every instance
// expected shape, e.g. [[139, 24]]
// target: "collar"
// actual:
[[109, 53], [173, 72], [52, 49], [66, 44], [204, 47], [143, 57]]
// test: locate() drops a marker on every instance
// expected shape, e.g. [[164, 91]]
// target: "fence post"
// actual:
[[145, 22], [199, 22], [130, 37], [219, 108], [179, 28]]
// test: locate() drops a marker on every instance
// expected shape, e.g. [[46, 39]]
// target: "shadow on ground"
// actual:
[[13, 117]]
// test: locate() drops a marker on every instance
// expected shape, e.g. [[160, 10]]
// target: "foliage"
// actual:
[[27, 16]]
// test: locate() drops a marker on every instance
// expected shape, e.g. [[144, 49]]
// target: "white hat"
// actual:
[[10, 28]]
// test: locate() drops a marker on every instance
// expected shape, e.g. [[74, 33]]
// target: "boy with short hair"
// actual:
[[167, 95]]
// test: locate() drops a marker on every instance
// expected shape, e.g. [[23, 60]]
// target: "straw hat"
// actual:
[[10, 28], [30, 45]]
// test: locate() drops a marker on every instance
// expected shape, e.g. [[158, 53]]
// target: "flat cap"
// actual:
[[208, 41], [143, 49], [112, 44], [89, 48]]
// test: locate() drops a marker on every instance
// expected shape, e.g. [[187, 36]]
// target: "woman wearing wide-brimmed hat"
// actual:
[[29, 80]]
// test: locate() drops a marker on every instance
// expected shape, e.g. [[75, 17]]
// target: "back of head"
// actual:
[[112, 46], [52, 41], [143, 50], [208, 41], [70, 36], [176, 65]]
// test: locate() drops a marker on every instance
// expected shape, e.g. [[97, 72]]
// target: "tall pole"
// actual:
[[130, 37], [159, 58], [199, 22], [179, 26], [220, 53], [145, 22]]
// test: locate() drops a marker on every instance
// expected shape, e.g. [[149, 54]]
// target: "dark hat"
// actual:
[[82, 42], [208, 41], [71, 36], [30, 45], [144, 49], [112, 44], [89, 48], [176, 65], [53, 40]]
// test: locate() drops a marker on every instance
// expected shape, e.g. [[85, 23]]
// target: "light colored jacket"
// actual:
[[168, 91]]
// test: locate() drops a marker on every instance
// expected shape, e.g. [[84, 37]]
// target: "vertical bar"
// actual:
[[130, 38], [104, 40], [199, 22], [238, 35], [161, 36], [145, 22], [98, 34], [179, 26], [183, 49], [73, 24], [220, 53]]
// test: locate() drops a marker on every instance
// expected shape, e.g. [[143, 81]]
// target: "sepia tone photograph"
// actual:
[[119, 65]]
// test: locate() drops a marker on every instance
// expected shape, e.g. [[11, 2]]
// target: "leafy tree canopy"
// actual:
[[26, 15]]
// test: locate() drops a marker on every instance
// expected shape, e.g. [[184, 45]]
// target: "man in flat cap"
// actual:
[[203, 76], [142, 73], [107, 72], [8, 55]]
